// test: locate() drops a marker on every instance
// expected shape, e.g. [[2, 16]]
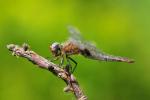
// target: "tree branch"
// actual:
[[64, 74]]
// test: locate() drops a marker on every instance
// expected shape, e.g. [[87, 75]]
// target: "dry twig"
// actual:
[[64, 74]]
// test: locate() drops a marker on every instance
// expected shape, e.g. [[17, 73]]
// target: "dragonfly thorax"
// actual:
[[56, 49]]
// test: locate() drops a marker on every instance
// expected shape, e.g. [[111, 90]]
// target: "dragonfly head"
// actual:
[[56, 49]]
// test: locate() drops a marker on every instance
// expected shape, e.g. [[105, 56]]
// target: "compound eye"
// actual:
[[55, 49], [54, 46]]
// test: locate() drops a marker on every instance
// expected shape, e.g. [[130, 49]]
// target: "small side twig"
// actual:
[[70, 80]]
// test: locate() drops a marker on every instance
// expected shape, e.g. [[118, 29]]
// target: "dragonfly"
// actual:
[[77, 45]]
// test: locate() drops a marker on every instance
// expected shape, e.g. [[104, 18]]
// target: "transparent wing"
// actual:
[[74, 33], [89, 50], [77, 39]]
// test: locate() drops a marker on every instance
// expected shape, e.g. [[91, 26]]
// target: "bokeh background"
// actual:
[[119, 27]]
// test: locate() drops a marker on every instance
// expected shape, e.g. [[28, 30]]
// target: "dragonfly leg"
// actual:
[[69, 66], [54, 59], [61, 61], [72, 70]]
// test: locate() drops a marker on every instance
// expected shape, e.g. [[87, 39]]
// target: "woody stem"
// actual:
[[41, 62]]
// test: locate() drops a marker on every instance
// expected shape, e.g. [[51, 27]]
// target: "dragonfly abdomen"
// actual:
[[114, 58]]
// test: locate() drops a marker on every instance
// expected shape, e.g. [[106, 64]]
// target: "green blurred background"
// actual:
[[119, 27]]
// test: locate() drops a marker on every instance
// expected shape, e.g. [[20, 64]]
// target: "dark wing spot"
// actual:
[[85, 52]]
